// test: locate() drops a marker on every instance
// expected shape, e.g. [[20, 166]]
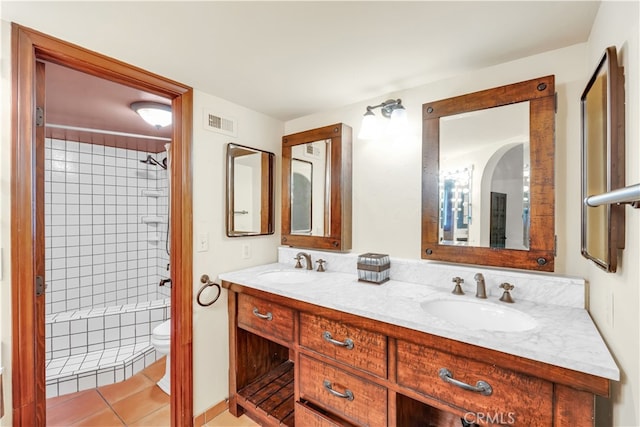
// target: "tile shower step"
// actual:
[[98, 368], [92, 361]]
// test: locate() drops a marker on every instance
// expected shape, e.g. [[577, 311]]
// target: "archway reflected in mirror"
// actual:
[[484, 161]]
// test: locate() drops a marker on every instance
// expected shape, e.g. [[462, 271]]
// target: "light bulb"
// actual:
[[157, 115], [370, 128]]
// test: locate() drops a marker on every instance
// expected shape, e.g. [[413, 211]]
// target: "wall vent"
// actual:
[[217, 123], [312, 151]]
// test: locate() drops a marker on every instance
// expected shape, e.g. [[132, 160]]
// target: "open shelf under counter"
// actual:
[[270, 398]]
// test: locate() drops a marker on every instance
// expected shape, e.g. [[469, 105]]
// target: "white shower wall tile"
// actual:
[[93, 204]]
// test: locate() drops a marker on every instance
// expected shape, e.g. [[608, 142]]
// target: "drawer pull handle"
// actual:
[[348, 343], [348, 394], [481, 387], [267, 316]]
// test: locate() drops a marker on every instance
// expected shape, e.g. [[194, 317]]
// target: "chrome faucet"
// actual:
[[307, 260], [481, 290]]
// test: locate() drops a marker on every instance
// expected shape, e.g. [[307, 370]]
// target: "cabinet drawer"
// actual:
[[271, 320], [515, 398], [309, 417], [345, 395], [358, 347]]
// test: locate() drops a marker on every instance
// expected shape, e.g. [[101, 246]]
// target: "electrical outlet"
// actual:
[[246, 251], [203, 242]]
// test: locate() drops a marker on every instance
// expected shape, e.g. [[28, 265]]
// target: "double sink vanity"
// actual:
[[315, 348]]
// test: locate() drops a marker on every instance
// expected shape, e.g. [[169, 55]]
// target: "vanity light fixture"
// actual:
[[391, 109], [154, 113]]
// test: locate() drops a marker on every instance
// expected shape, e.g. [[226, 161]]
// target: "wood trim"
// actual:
[[23, 236], [27, 46], [181, 264], [210, 414]]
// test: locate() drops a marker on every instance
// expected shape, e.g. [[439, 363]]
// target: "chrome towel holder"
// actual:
[[207, 283]]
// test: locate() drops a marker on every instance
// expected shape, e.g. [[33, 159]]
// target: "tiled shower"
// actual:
[[106, 249]]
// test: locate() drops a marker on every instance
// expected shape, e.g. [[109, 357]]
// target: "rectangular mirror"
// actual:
[[316, 188], [250, 207], [488, 177], [602, 108]]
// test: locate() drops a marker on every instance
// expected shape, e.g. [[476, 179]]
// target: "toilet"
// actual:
[[161, 341]]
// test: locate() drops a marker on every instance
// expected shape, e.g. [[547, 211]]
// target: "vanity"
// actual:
[[322, 349]]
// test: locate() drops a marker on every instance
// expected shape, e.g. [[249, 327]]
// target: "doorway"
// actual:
[[498, 220], [27, 216]]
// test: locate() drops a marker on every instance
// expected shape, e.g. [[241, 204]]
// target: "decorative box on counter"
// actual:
[[373, 268]]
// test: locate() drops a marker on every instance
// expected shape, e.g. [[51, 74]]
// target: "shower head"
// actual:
[[151, 161]]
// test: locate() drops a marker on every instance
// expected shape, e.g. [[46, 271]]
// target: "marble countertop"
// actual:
[[563, 336]]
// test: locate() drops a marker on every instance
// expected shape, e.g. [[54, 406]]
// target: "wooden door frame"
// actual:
[[29, 407]]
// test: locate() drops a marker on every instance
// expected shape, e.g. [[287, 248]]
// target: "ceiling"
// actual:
[[290, 59]]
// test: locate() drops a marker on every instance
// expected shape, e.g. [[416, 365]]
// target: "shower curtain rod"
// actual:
[[107, 132]]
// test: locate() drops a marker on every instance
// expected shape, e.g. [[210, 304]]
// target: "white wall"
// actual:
[[210, 326]]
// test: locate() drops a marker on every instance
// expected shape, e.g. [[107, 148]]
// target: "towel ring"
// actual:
[[207, 282]]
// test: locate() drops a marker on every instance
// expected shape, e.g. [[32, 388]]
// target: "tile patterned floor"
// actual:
[[134, 402]]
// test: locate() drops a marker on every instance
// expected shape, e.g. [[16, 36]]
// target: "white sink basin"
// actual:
[[479, 315], [288, 276]]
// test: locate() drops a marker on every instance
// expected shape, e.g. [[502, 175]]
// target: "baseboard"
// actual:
[[211, 413]]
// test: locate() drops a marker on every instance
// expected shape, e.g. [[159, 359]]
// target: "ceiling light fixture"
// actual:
[[154, 113], [391, 109]]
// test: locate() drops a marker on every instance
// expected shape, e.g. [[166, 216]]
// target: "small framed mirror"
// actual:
[[250, 206], [602, 109], [316, 188]]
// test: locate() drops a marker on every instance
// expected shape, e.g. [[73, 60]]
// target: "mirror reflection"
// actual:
[[310, 184], [484, 178], [249, 191], [316, 188]]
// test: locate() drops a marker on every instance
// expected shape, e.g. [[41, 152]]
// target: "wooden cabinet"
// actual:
[[345, 343], [308, 416], [475, 387], [265, 318], [294, 363], [357, 400]]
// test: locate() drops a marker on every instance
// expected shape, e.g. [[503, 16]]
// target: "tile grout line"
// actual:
[[110, 407]]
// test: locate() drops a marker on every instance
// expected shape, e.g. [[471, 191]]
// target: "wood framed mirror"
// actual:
[[250, 207], [502, 140], [316, 188], [603, 168]]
